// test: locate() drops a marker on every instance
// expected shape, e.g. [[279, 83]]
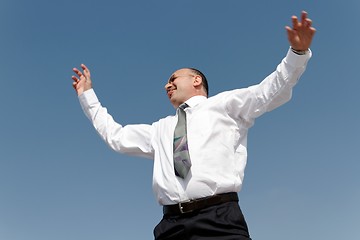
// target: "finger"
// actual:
[[295, 22], [304, 15], [74, 85], [75, 79], [312, 31], [77, 71], [290, 33], [308, 22], [288, 28], [86, 70]]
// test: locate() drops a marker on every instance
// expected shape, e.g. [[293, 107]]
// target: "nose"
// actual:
[[168, 86]]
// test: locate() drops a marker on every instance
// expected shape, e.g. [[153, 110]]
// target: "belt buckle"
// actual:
[[181, 207]]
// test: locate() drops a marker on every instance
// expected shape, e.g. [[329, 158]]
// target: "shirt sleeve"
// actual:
[[272, 92], [130, 139]]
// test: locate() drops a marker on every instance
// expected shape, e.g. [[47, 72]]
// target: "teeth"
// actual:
[[170, 90]]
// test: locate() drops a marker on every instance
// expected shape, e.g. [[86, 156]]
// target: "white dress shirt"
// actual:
[[217, 129]]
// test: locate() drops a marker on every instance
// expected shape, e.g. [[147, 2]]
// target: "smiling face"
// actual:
[[182, 85]]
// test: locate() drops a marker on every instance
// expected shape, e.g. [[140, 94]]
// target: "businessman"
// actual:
[[200, 152]]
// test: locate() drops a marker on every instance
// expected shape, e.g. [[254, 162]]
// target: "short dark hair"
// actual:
[[204, 80]]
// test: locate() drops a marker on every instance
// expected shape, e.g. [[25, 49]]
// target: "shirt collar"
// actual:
[[195, 100]]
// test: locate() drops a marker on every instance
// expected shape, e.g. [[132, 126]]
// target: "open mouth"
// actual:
[[170, 92]]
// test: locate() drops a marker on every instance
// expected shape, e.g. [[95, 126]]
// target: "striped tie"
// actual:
[[182, 162]]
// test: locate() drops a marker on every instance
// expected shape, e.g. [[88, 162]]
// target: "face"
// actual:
[[180, 86]]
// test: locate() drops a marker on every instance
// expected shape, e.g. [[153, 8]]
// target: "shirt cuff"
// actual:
[[88, 98], [297, 60]]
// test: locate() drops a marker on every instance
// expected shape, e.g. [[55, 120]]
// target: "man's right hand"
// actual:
[[82, 81]]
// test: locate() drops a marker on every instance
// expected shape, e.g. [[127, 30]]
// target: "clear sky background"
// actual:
[[58, 180]]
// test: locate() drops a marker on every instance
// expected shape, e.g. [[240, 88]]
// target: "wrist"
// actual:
[[299, 52], [81, 91]]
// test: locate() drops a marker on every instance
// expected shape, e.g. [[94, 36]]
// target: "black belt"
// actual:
[[197, 204]]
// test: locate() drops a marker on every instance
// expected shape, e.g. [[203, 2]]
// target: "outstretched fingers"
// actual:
[[301, 33], [304, 23], [81, 79], [78, 72], [81, 75]]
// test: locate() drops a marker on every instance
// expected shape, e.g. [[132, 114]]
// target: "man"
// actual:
[[200, 153]]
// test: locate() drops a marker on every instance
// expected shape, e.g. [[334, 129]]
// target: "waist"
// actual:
[[198, 204], [169, 190]]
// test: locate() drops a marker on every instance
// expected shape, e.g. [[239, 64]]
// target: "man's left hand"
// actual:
[[301, 34]]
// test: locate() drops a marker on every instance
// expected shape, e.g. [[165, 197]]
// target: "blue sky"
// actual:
[[58, 180]]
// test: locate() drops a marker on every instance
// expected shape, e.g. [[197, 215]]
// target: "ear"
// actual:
[[197, 81]]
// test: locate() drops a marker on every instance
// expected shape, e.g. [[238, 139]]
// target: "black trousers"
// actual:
[[221, 222]]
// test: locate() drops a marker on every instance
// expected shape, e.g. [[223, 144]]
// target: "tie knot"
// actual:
[[183, 106]]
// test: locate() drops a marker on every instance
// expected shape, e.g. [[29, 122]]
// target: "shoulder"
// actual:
[[164, 120], [229, 95]]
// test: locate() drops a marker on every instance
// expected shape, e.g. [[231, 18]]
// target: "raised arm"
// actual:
[[131, 139], [276, 89], [82, 81], [301, 33]]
